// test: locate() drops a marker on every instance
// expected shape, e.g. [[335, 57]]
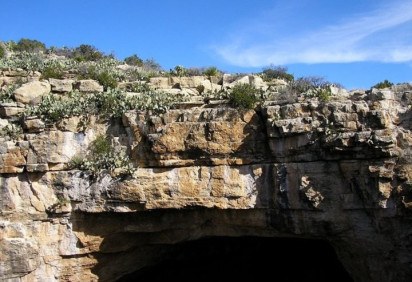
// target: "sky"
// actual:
[[356, 43]]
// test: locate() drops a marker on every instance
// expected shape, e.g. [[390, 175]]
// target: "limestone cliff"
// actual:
[[339, 170]]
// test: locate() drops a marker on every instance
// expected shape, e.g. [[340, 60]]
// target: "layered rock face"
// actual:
[[339, 171]]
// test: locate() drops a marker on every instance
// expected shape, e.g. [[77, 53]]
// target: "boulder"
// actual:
[[88, 85], [257, 82], [8, 110], [160, 82], [32, 92], [61, 85], [34, 125], [381, 94]]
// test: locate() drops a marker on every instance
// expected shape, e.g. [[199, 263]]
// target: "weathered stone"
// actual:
[[187, 82], [160, 82], [32, 92], [8, 110], [88, 85], [258, 83], [61, 85], [340, 171], [382, 94], [33, 125], [73, 124], [12, 160]]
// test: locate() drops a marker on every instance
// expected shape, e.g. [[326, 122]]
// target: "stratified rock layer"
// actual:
[[339, 171]]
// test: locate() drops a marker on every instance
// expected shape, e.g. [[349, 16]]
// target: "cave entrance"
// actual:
[[244, 258]]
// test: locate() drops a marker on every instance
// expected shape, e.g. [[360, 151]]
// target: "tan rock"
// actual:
[[31, 92], [61, 85], [160, 83], [33, 125], [8, 110], [88, 85]]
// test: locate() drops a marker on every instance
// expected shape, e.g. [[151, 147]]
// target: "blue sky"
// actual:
[[354, 42]]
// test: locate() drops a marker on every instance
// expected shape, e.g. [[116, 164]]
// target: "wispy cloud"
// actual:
[[384, 35]]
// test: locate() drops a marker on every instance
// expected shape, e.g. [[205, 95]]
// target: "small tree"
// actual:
[[134, 60], [383, 84], [86, 53], [211, 71], [29, 45], [2, 50], [276, 72], [178, 70], [152, 65], [243, 96]]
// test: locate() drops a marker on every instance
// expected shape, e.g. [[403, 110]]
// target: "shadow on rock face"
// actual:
[[241, 258]]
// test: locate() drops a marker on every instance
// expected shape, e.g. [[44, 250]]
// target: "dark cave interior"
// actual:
[[246, 258]]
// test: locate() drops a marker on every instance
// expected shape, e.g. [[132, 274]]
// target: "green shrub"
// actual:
[[134, 60], [6, 93], [383, 84], [52, 71], [211, 71], [200, 88], [106, 79], [2, 50], [11, 131], [243, 96], [102, 156], [324, 94], [24, 60], [77, 161], [178, 71], [138, 87], [110, 104], [29, 45], [276, 72], [86, 52], [101, 146]]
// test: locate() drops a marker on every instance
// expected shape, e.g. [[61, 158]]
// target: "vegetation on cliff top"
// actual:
[[87, 62]]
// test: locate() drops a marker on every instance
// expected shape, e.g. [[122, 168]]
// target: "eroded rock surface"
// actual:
[[339, 171]]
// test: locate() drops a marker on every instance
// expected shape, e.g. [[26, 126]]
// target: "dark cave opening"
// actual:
[[244, 258]]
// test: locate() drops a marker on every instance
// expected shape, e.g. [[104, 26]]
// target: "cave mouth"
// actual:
[[243, 258]]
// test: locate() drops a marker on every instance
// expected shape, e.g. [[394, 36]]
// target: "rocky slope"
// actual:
[[339, 170]]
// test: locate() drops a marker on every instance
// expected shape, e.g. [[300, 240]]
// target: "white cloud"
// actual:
[[381, 35]]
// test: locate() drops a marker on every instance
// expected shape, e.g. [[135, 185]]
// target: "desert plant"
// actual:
[[77, 162], [6, 93], [52, 69], [324, 94], [134, 60], [211, 71], [24, 60], [383, 84], [243, 96], [178, 71], [86, 52], [29, 45], [12, 131], [200, 88], [107, 79], [102, 156], [194, 71], [2, 50], [150, 65], [276, 72], [310, 86], [138, 87]]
